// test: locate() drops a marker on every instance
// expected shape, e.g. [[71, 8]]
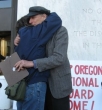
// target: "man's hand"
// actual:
[[17, 40], [23, 64]]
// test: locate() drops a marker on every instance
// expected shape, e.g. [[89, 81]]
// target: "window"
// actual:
[[5, 3], [5, 42]]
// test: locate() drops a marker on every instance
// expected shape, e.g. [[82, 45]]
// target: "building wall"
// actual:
[[82, 18], [5, 19]]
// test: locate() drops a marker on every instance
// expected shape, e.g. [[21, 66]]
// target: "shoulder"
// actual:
[[62, 30]]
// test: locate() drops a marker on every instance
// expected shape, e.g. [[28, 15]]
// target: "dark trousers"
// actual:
[[52, 103]]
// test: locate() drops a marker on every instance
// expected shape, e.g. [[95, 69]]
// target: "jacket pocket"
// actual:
[[63, 72]]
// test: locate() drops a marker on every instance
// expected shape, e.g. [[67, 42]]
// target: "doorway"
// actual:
[[5, 41], [5, 47]]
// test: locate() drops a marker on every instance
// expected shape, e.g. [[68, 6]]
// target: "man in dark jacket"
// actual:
[[60, 84]]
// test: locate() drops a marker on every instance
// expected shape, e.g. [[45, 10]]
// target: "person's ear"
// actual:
[[44, 16]]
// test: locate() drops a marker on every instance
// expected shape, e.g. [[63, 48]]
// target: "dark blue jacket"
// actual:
[[33, 41]]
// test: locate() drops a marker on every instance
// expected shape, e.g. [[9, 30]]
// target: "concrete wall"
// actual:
[[82, 18]]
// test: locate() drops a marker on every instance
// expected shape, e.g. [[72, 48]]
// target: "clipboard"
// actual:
[[11, 75]]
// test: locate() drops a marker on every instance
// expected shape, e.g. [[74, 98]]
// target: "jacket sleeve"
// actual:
[[59, 54]]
